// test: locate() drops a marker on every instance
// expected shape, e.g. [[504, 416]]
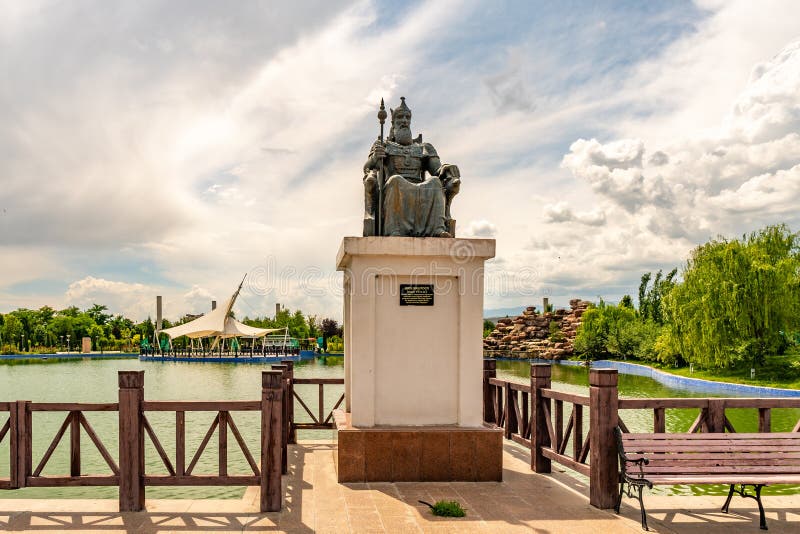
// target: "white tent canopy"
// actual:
[[218, 324], [234, 328]]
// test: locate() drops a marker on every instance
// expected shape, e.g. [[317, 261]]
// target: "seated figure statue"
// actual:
[[411, 203]]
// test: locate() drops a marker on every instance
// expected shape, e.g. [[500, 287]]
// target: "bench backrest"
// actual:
[[697, 454]]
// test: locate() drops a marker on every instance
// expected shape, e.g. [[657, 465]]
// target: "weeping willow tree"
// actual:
[[737, 300]]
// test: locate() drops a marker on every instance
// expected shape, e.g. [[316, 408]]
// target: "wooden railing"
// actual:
[[74, 421], [129, 474], [182, 475], [323, 418], [534, 416]]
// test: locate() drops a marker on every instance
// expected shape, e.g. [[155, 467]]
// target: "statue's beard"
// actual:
[[403, 135]]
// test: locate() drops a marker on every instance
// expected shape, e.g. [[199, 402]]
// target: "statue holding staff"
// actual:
[[400, 198]]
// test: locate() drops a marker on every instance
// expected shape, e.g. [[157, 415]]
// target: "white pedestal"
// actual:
[[413, 365]]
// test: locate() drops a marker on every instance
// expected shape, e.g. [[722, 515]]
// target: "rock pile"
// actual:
[[530, 335]]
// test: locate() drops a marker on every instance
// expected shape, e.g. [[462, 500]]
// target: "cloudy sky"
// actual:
[[170, 147]]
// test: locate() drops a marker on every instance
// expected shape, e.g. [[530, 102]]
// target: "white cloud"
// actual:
[[560, 212], [481, 228], [135, 299], [196, 149], [614, 170], [199, 299], [745, 176]]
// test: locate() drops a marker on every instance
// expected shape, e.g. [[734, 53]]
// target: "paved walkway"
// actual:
[[523, 502]]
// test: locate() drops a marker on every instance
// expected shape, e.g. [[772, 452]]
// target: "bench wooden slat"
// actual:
[[725, 479], [714, 458], [709, 436], [763, 455], [704, 441], [742, 448], [710, 443], [717, 464], [698, 469]]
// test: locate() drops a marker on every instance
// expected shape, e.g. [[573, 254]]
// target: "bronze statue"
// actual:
[[399, 199]]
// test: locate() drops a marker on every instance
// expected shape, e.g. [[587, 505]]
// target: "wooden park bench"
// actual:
[[739, 460]]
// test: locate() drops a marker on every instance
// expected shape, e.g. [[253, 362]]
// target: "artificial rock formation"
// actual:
[[529, 335]]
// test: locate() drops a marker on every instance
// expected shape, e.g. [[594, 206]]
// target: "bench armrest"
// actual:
[[624, 460]]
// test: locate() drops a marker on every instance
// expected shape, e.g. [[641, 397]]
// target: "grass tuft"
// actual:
[[448, 509]]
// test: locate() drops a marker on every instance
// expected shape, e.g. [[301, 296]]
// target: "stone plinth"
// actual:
[[417, 454], [413, 364], [413, 316]]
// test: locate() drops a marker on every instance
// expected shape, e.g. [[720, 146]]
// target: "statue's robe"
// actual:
[[413, 205]]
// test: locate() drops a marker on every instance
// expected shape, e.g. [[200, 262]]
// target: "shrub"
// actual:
[[556, 335]]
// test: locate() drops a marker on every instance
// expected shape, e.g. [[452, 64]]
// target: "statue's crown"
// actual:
[[402, 107]]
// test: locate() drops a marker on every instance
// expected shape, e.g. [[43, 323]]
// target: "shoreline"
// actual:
[[676, 381]]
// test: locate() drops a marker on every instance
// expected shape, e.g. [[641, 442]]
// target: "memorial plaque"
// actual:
[[416, 294]]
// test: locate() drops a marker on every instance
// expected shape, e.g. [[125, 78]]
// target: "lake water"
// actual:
[[96, 381]]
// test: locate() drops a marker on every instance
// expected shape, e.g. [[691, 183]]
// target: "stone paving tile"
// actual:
[[315, 502]]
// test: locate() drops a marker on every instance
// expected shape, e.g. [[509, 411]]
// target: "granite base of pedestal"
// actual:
[[417, 454]]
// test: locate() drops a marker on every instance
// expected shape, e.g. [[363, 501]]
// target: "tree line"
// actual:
[[47, 330], [737, 301]]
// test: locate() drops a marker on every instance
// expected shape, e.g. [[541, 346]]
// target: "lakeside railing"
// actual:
[[243, 352], [533, 415], [130, 473], [323, 418]]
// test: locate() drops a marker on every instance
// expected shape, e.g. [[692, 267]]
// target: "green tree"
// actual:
[[488, 327], [737, 299], [117, 325], [608, 331], [96, 312], [592, 336], [330, 328], [650, 298], [313, 326], [71, 311], [125, 336], [146, 329], [12, 329]]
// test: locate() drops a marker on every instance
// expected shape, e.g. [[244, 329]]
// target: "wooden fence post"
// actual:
[[75, 444], [540, 437], [284, 418], [20, 443], [131, 441], [603, 417], [715, 416], [290, 401], [764, 420], [489, 371], [271, 415], [13, 439]]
